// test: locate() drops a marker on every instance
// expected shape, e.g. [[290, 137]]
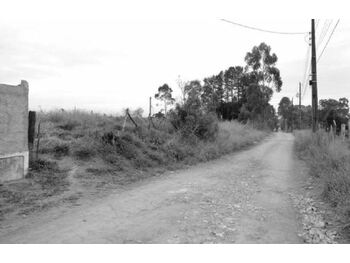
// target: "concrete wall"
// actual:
[[13, 131]]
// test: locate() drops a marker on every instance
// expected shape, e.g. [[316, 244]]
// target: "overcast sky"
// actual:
[[77, 57]]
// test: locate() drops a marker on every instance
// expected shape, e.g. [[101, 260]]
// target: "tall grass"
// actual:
[[329, 160], [104, 153], [79, 134]]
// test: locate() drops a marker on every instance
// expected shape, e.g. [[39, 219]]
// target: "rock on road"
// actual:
[[239, 198]]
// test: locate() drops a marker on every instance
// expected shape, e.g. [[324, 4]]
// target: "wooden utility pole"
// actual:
[[299, 105], [150, 113], [292, 115], [313, 81]]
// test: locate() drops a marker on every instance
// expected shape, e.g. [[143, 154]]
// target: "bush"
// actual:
[[190, 120], [54, 145], [69, 125], [61, 150], [43, 165], [85, 148]]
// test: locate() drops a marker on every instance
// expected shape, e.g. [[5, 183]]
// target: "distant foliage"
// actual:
[[331, 111], [240, 92]]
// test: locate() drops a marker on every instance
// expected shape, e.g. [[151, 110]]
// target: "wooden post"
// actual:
[[38, 142], [299, 105], [314, 78], [128, 114], [31, 129], [150, 113], [342, 131], [124, 122], [331, 134], [335, 127]]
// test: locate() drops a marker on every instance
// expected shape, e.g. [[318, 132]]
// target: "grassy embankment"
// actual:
[[76, 156], [328, 158]]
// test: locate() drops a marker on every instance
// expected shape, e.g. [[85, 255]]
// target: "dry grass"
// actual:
[[79, 139], [78, 134], [329, 160]]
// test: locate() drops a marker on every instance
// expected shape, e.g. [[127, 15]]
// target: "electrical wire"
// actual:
[[329, 38], [317, 21], [264, 30], [324, 32], [321, 32], [306, 71]]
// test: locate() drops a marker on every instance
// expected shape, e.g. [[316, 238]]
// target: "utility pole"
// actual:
[[292, 115], [313, 81], [299, 105], [150, 113]]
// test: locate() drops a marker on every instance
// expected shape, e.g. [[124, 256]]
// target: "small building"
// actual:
[[14, 154]]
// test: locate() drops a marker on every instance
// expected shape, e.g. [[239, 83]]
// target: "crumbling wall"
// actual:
[[13, 131]]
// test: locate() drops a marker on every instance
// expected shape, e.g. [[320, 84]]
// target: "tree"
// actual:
[[165, 94], [284, 107], [257, 83], [192, 89], [262, 64], [333, 110], [286, 111], [181, 85], [212, 93], [256, 102], [233, 83]]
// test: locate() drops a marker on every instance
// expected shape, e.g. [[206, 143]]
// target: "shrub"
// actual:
[[43, 164], [48, 175], [190, 120], [69, 125], [85, 148], [60, 150], [54, 145]]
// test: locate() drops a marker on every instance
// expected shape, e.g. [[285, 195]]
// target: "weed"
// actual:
[[329, 161]]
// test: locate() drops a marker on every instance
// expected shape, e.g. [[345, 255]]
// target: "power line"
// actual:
[[317, 21], [306, 71], [324, 32], [264, 30], [330, 36]]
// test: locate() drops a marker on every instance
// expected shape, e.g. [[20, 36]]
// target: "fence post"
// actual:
[[331, 132], [38, 142], [342, 131], [31, 129]]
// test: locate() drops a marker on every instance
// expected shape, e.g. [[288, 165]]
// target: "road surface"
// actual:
[[240, 198]]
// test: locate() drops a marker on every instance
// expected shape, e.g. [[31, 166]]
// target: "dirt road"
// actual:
[[240, 198]]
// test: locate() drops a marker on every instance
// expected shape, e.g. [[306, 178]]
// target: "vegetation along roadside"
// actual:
[[328, 159]]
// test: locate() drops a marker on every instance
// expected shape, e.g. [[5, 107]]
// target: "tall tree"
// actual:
[[284, 107], [193, 88], [262, 64], [165, 95], [233, 83], [260, 78], [212, 93]]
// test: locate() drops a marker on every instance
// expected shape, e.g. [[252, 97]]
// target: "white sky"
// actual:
[[105, 56]]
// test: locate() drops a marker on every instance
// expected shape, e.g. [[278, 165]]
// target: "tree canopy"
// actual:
[[239, 92]]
